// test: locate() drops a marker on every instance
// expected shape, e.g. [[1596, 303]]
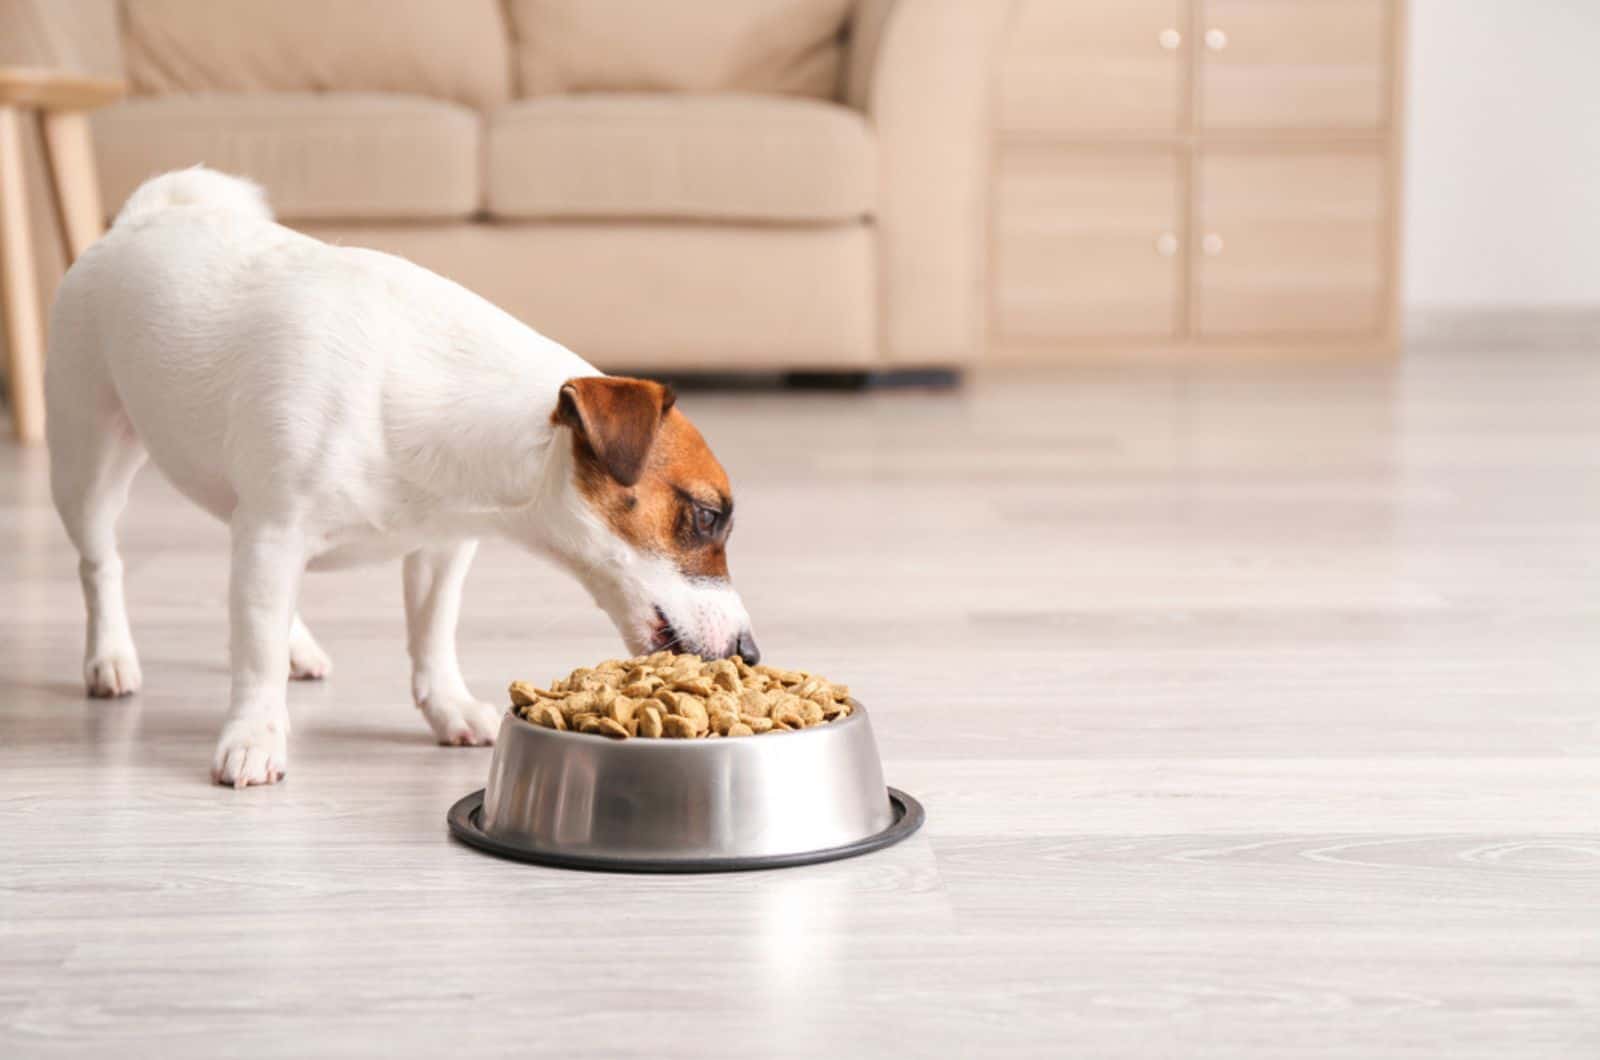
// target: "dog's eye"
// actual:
[[705, 520]]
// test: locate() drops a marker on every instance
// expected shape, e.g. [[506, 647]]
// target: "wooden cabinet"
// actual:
[[1197, 176], [1103, 67], [1090, 243], [1293, 64], [1290, 242]]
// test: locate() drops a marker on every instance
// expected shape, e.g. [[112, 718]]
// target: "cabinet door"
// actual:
[[1290, 242], [1294, 64], [1094, 66], [1088, 243]]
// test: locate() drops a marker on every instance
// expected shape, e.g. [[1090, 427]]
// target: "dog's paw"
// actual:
[[462, 721], [111, 674], [252, 750], [307, 660]]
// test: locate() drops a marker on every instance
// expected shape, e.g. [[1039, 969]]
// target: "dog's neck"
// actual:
[[470, 426]]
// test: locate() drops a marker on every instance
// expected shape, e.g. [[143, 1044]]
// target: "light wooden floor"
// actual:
[[1257, 714]]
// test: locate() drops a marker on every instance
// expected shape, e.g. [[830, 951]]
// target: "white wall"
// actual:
[[1503, 166]]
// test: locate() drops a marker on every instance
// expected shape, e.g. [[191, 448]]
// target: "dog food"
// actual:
[[681, 697]]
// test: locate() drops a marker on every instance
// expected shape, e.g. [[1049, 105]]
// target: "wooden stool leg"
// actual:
[[19, 293], [71, 151]]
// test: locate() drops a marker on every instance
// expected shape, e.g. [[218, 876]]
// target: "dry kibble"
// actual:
[[682, 697], [649, 721], [755, 702], [611, 728], [546, 715], [677, 728], [695, 712], [698, 685], [726, 676], [622, 709]]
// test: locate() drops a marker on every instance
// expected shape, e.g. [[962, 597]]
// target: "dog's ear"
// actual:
[[616, 418]]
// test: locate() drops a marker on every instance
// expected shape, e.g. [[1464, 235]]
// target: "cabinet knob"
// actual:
[[1166, 244], [1170, 39], [1216, 39], [1212, 244]]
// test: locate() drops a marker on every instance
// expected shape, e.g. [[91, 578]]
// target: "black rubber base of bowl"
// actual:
[[464, 825]]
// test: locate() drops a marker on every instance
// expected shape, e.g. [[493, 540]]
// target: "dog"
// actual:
[[338, 406]]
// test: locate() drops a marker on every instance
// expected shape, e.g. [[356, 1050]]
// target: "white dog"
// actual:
[[337, 406]]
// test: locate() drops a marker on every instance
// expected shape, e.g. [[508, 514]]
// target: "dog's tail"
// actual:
[[196, 186]]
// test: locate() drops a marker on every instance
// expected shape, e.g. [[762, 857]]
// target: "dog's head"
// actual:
[[649, 514]]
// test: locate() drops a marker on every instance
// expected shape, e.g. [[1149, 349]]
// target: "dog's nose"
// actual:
[[747, 648]]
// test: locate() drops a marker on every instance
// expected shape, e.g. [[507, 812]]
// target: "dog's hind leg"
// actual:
[[307, 660], [433, 581], [94, 455]]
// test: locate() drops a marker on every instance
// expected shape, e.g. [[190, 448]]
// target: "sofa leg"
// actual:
[[891, 379], [826, 380]]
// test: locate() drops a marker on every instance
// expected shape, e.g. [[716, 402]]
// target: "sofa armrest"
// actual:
[[922, 71], [81, 36]]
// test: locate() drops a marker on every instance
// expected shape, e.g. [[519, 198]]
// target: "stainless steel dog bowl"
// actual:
[[586, 801]]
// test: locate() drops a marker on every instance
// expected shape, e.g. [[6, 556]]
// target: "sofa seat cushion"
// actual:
[[345, 156], [688, 157], [789, 47], [663, 297]]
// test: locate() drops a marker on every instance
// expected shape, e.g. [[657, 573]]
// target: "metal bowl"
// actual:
[[587, 801]]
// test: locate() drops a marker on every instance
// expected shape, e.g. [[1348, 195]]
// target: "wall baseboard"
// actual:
[[1497, 327]]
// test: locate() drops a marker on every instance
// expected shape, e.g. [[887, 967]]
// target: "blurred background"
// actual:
[[816, 186]]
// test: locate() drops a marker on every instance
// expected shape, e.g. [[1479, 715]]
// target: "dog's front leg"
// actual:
[[433, 580], [268, 560]]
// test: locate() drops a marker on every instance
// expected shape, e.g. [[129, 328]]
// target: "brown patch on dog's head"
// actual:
[[646, 471]]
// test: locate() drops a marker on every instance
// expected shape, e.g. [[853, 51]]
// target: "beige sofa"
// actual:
[[683, 185]]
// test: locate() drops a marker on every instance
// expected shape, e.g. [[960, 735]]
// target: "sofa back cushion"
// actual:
[[789, 47], [457, 51]]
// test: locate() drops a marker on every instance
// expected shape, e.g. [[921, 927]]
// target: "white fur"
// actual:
[[333, 406]]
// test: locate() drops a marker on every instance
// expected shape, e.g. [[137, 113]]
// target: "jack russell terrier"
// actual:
[[337, 406]]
